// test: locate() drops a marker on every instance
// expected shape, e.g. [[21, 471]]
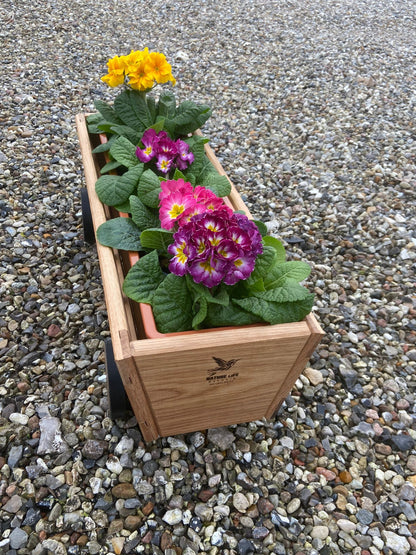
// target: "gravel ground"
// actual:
[[314, 109]]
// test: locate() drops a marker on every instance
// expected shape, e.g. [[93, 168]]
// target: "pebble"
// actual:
[[319, 143]]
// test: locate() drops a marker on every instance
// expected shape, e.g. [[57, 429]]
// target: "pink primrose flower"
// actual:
[[172, 207], [174, 185]]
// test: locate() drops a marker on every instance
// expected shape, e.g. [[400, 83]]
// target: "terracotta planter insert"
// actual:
[[194, 380]]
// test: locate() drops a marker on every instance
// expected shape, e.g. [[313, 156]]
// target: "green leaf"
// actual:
[[172, 305], [217, 183], [167, 104], [159, 125], [290, 291], [144, 278], [158, 239], [119, 233], [124, 207], [279, 273], [127, 132], [93, 120], [104, 147], [114, 189], [261, 227], [190, 116], [131, 107], [151, 104], [263, 263], [124, 152], [143, 216], [200, 291], [148, 189], [277, 245], [178, 175], [110, 166], [231, 315], [277, 313], [198, 150], [107, 111], [200, 307]]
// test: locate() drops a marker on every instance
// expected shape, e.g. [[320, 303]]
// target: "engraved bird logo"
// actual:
[[223, 365]]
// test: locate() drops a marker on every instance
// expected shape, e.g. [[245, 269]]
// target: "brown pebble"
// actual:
[[124, 491], [383, 449], [132, 522], [82, 540], [345, 477], [54, 330], [148, 508]]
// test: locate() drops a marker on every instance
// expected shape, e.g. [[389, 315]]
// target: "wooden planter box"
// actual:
[[194, 381]]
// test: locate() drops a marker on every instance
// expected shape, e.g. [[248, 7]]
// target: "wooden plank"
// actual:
[[188, 390], [316, 334], [109, 275]]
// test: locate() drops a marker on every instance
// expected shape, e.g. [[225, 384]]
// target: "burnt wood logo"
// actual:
[[220, 374]]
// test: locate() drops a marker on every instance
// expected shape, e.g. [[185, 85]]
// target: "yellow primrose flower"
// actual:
[[139, 77], [160, 68], [115, 76]]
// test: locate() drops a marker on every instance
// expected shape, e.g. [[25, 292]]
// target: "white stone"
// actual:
[[398, 544], [173, 516]]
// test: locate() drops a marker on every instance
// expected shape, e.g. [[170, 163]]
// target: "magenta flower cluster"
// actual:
[[179, 201], [167, 153], [216, 246]]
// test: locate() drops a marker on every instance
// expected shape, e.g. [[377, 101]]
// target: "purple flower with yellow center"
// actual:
[[181, 251], [149, 141], [224, 247], [184, 157], [164, 163], [209, 271], [228, 250], [240, 268]]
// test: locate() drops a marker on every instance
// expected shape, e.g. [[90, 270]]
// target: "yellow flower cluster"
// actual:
[[142, 68]]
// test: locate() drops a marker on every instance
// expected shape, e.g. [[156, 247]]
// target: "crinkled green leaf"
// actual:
[[124, 152], [119, 233], [290, 291], [114, 189], [107, 111], [217, 183], [279, 273], [166, 106], [143, 278], [278, 247], [151, 105], [263, 264], [196, 146], [277, 313], [261, 227], [110, 166], [103, 147], [172, 305], [158, 239], [178, 175], [125, 131], [148, 189], [231, 315], [190, 116], [201, 291], [200, 308], [131, 107], [143, 216]]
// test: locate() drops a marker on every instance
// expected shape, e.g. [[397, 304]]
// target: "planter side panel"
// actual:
[[211, 383]]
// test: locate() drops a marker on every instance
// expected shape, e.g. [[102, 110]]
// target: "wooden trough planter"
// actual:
[[194, 380]]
